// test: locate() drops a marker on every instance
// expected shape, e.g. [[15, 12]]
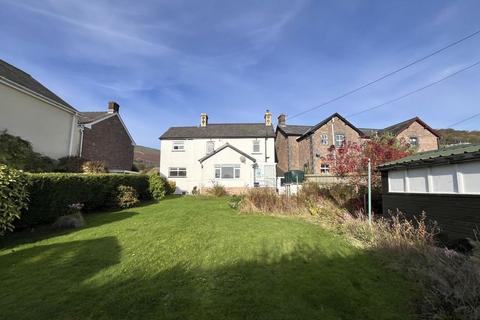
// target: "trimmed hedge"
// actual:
[[51, 193]]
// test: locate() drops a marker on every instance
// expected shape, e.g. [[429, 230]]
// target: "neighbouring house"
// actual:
[[303, 147], [104, 137], [414, 131], [234, 155], [33, 112], [445, 184]]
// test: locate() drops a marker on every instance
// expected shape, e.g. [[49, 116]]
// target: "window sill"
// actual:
[[257, 153], [178, 150]]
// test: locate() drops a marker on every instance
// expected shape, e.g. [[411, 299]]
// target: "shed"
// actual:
[[445, 184]]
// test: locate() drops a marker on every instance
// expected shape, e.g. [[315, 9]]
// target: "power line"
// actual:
[[414, 91], [464, 120], [386, 75]]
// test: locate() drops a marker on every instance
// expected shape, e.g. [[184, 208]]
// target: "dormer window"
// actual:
[[178, 146], [256, 146]]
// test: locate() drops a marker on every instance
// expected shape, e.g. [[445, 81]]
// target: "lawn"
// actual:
[[194, 258]]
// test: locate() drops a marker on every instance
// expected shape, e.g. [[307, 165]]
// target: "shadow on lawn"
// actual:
[[46, 231], [51, 282]]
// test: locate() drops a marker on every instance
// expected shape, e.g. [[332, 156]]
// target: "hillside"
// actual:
[[451, 136], [145, 157]]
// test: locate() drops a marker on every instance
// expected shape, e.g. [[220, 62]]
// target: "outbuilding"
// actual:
[[445, 184]]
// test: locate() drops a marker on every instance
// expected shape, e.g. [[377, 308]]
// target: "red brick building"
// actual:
[[300, 147], [104, 137]]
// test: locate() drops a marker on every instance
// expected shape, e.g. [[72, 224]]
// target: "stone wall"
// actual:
[[426, 139]]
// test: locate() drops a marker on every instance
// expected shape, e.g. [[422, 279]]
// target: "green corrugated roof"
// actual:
[[436, 156]]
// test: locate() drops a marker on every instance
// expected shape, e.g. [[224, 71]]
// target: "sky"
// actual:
[[165, 62]]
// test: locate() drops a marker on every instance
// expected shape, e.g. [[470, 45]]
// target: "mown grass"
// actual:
[[195, 258]]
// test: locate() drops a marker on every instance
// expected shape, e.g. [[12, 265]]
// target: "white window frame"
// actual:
[[416, 141], [256, 144], [219, 171], [325, 168], [324, 139], [177, 170], [339, 142], [178, 146], [207, 145]]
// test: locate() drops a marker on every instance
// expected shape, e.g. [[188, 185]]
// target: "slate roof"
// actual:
[[91, 116], [19, 77], [220, 130], [370, 132], [441, 156], [318, 125], [294, 130], [399, 127], [227, 145]]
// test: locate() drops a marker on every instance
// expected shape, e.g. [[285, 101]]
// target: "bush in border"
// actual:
[[13, 196]]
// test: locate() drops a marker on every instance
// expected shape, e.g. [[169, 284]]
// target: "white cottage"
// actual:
[[234, 155]]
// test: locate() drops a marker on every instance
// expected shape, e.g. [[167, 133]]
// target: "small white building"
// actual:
[[234, 155], [445, 184]]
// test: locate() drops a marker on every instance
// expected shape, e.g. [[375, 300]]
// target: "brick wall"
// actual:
[[108, 141], [426, 139]]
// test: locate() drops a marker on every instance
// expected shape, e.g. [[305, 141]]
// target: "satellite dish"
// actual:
[[242, 159]]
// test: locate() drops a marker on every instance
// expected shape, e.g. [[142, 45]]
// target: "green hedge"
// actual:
[[51, 193]]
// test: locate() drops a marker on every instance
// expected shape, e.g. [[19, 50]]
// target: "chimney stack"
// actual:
[[113, 107], [281, 120], [203, 120], [268, 118]]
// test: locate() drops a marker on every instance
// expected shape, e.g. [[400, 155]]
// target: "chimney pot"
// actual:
[[203, 120], [268, 118], [281, 120], [113, 107]]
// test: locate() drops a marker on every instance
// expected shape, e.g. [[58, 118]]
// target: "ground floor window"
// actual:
[[177, 172], [227, 171], [324, 168]]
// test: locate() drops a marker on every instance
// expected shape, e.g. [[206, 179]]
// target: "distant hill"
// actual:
[[451, 136], [145, 157]]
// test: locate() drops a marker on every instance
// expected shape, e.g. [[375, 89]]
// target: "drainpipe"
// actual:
[[72, 133], [333, 140], [81, 140]]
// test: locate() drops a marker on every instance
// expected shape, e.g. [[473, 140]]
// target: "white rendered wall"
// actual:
[[46, 127], [196, 149]]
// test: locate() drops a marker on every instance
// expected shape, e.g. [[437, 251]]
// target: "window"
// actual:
[[178, 146], [413, 141], [227, 171], [210, 147], [177, 172], [256, 146], [324, 139], [324, 168], [339, 140]]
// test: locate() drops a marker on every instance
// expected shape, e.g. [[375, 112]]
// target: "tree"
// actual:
[[351, 160]]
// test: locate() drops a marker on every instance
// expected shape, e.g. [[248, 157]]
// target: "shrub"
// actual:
[[94, 167], [171, 186], [157, 186], [18, 154], [51, 193], [126, 197], [13, 195], [217, 190], [70, 164]]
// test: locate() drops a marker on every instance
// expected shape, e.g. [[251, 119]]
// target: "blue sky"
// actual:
[[165, 62]]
